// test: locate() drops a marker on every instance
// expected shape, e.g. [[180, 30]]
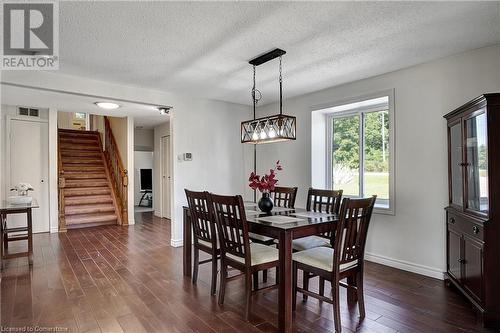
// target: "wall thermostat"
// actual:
[[187, 156]]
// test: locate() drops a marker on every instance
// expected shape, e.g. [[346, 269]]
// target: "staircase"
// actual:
[[86, 194]]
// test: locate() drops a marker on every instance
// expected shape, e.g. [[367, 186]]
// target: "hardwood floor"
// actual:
[[114, 279]]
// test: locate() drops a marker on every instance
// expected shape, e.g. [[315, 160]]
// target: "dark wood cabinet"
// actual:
[[473, 211]]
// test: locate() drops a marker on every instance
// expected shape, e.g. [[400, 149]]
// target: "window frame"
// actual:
[[360, 111]]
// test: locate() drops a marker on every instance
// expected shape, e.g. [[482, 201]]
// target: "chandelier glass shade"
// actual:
[[273, 128], [269, 129]]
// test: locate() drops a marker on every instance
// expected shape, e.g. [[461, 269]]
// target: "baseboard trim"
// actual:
[[176, 242], [157, 213], [405, 265]]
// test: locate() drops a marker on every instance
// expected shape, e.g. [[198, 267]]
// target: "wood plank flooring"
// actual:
[[114, 279]]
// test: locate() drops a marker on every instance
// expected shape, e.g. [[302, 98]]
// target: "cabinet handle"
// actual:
[[452, 220], [464, 164], [475, 229], [462, 261]]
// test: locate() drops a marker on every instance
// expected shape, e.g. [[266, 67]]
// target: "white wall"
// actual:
[[119, 129], [208, 129], [144, 139], [142, 160], [413, 239]]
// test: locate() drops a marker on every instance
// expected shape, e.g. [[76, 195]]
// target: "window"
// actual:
[[79, 115], [360, 150]]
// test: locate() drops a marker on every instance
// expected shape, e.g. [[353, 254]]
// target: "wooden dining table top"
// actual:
[[300, 216]]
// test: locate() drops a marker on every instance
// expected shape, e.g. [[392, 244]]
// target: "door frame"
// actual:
[[162, 194], [7, 171]]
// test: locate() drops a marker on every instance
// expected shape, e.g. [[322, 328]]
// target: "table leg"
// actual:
[[30, 237], [285, 282], [187, 244]]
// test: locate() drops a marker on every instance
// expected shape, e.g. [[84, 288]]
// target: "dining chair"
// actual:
[[320, 201], [344, 260], [204, 234], [236, 250], [282, 197]]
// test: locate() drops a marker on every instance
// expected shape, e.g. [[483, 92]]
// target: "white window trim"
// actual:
[[392, 157]]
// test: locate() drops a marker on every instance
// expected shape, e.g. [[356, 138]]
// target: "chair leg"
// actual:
[[336, 306], [196, 264], [264, 276], [255, 280], [294, 286], [214, 274], [322, 286], [248, 294], [223, 277], [305, 283], [361, 298]]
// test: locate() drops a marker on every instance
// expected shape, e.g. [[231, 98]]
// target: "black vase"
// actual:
[[266, 203]]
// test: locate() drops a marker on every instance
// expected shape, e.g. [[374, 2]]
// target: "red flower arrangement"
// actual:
[[267, 182]]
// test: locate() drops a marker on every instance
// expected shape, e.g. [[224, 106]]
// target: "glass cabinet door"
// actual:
[[476, 163], [456, 164]]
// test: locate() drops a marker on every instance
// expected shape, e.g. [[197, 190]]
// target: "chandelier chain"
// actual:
[[281, 88]]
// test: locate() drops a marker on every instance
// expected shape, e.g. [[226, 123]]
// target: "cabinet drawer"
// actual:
[[466, 226]]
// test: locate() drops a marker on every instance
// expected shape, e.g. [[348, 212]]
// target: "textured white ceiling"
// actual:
[[202, 49]]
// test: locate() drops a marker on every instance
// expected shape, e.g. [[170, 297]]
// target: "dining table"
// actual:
[[284, 225]]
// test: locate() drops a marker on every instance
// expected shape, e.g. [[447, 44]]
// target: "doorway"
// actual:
[[28, 162], [166, 176]]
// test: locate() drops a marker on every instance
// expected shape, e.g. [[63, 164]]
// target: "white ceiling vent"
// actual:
[[25, 111]]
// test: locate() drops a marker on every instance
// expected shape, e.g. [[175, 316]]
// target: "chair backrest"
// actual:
[[323, 201], [351, 231], [204, 227], [284, 196], [229, 213]]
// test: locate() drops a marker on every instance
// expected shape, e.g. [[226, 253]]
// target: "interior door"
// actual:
[[29, 163], [166, 176]]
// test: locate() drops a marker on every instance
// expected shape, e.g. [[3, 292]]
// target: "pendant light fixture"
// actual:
[[268, 129]]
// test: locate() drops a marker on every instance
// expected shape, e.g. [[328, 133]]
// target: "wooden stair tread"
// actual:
[[79, 147], [82, 161], [83, 168], [90, 218], [89, 209], [87, 140], [81, 191], [79, 132], [72, 183], [88, 199], [87, 175], [79, 153]]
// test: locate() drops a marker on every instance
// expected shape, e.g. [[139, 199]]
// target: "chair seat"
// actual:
[[259, 253], [260, 238], [207, 244], [322, 258], [309, 242]]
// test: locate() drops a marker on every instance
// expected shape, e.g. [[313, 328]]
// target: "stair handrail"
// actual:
[[61, 184], [119, 175]]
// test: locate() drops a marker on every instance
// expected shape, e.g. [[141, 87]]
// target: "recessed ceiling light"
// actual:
[[107, 105]]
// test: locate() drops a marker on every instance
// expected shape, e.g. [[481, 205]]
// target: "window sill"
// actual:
[[383, 211]]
